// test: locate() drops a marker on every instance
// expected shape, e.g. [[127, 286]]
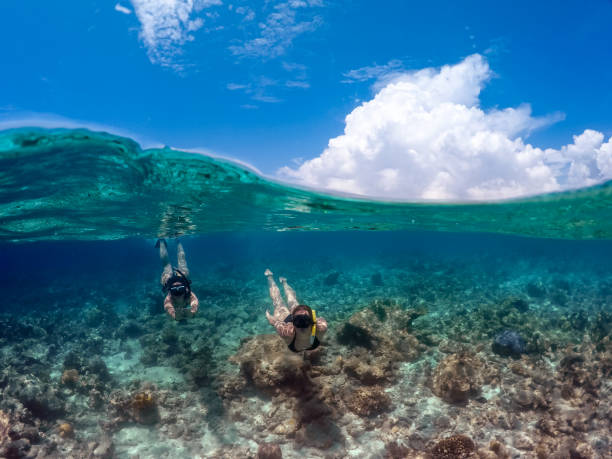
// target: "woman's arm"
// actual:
[[284, 329], [169, 307], [195, 303], [321, 327]]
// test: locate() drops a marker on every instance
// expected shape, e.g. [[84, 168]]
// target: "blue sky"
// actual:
[[271, 82]]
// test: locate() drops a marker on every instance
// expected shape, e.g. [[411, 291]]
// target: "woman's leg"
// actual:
[[163, 256], [280, 308], [182, 261], [289, 293]]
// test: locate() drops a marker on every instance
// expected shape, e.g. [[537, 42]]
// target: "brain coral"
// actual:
[[368, 401], [455, 447]]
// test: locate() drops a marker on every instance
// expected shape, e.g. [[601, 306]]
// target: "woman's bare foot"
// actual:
[[268, 273], [282, 280]]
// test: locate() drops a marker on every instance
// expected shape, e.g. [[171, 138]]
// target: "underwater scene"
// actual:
[[152, 307]]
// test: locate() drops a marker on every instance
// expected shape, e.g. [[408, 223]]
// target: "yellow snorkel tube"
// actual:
[[314, 322]]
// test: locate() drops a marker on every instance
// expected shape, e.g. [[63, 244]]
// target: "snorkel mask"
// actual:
[[178, 290], [303, 321]]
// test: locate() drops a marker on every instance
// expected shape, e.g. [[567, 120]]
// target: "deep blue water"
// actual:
[[133, 264]]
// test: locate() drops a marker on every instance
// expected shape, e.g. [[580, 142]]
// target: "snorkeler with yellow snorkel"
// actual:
[[298, 325]]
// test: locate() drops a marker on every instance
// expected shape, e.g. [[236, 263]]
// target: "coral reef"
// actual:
[[139, 406], [458, 377], [377, 339], [368, 401], [455, 447], [406, 365]]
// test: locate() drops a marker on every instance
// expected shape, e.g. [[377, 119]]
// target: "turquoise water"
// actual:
[[67, 184], [414, 295]]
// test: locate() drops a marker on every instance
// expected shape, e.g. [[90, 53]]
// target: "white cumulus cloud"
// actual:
[[166, 25], [424, 136]]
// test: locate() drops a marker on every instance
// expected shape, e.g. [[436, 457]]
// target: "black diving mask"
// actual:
[[302, 321], [178, 290]]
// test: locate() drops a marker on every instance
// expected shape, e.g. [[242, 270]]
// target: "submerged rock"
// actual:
[[73, 361], [269, 451], [321, 434], [40, 398], [331, 279], [397, 450], [353, 335], [509, 344], [98, 367], [377, 279], [536, 289], [130, 329], [378, 338], [103, 449], [13, 330], [16, 449], [514, 302], [265, 361]]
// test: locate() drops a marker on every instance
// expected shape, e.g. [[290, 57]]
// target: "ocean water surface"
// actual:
[[455, 330]]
